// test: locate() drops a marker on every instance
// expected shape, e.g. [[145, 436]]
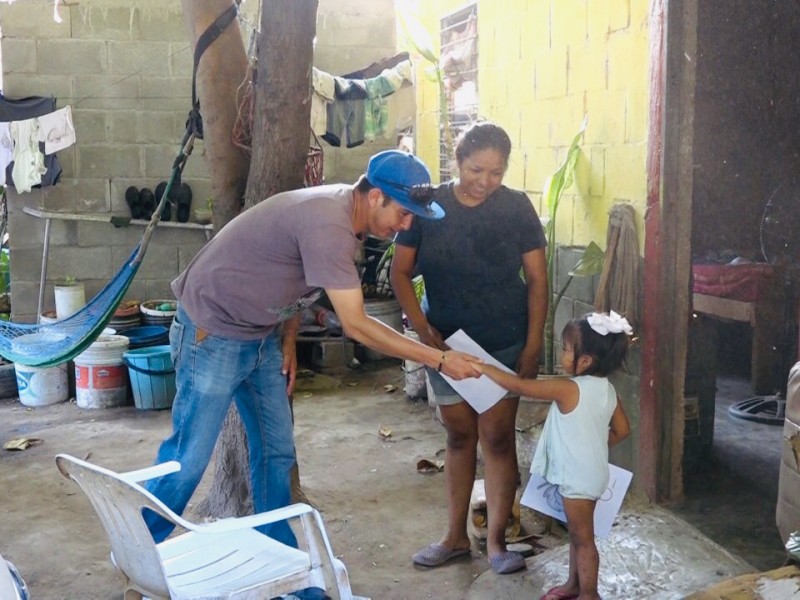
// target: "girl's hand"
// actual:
[[488, 370]]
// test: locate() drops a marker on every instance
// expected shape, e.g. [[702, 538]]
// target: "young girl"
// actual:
[[573, 450]]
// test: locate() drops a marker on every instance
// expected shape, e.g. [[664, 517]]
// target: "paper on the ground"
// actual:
[[481, 393], [545, 497]]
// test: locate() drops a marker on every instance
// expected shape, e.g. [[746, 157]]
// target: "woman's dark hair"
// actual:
[[607, 352], [483, 135]]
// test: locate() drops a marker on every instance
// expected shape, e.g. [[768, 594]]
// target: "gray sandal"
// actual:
[[507, 562], [436, 555]]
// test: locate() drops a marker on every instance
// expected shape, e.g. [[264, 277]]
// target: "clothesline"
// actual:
[[31, 132], [354, 110]]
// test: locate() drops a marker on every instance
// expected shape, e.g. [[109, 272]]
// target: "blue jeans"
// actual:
[[210, 372]]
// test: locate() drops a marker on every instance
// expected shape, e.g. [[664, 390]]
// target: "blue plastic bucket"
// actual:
[[152, 377], [147, 335]]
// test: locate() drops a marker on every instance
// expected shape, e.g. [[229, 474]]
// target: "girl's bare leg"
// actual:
[[584, 559]]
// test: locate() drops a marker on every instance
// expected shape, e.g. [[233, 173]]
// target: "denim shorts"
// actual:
[[445, 395]]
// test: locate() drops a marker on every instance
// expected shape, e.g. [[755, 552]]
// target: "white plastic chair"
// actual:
[[223, 559], [12, 587]]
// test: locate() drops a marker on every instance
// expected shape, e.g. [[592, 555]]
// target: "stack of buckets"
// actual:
[[126, 316], [149, 363]]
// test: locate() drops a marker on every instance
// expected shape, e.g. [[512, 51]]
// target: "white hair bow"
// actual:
[[604, 323]]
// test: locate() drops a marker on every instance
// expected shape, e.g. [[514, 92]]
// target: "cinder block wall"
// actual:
[[125, 68], [542, 66]]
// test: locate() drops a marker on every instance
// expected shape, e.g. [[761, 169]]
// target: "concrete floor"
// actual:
[[377, 508], [732, 498]]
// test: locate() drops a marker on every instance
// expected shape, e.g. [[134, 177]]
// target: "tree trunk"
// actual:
[[281, 127], [282, 115]]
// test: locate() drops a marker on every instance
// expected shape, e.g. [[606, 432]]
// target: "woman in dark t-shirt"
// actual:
[[471, 262]]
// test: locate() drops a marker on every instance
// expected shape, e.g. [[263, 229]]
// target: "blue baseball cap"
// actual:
[[405, 179]]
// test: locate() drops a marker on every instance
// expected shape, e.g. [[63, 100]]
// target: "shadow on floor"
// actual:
[[731, 496]]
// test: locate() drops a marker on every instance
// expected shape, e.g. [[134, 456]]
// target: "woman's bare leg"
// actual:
[[461, 423], [498, 441]]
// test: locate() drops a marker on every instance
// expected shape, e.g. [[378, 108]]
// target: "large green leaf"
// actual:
[[591, 263], [419, 287], [562, 178]]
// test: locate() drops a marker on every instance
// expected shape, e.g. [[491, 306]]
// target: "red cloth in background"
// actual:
[[743, 282]]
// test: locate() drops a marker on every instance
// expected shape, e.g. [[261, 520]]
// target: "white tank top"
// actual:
[[573, 448]]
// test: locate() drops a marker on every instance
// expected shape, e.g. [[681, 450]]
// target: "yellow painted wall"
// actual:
[[542, 65]]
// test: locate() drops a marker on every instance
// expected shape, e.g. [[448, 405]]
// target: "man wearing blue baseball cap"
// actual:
[[233, 337], [404, 178]]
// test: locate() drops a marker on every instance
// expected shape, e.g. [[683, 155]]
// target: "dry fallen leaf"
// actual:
[[429, 466], [21, 443], [384, 432], [389, 388]]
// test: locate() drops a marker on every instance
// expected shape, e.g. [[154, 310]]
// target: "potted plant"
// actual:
[[204, 216], [590, 263], [70, 296]]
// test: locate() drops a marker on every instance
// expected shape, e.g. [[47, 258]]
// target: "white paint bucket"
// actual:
[[41, 386], [386, 310], [101, 378], [69, 299], [415, 373]]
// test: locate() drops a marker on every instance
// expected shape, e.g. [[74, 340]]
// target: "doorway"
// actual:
[[741, 338]]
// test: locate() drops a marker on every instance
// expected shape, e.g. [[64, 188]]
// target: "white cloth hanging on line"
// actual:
[[322, 94], [56, 130], [28, 160], [6, 150]]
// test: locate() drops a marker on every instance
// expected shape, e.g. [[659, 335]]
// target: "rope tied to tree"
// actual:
[[194, 123], [242, 134]]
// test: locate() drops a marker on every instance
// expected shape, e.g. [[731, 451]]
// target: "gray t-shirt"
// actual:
[[272, 261]]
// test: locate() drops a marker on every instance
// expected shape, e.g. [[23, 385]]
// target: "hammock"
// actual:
[[50, 344]]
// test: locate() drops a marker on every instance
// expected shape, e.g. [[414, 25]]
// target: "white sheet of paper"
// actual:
[[481, 393], [545, 497]]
